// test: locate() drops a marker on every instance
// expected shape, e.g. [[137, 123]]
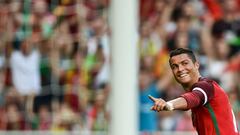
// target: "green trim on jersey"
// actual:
[[213, 117]]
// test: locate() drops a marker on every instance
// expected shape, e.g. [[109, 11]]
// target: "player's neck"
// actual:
[[187, 87]]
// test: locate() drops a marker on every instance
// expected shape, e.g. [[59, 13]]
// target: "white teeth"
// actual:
[[182, 75]]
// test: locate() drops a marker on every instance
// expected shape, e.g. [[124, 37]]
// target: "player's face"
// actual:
[[184, 70]]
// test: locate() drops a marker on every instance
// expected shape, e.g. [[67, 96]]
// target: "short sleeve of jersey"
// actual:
[[206, 88]]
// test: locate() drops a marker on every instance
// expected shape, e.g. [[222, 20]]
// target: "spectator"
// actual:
[[25, 71], [98, 116]]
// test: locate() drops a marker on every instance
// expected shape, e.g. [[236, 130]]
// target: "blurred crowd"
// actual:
[[54, 65], [55, 60]]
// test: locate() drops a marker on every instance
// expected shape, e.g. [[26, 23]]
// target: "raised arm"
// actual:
[[162, 105], [200, 94]]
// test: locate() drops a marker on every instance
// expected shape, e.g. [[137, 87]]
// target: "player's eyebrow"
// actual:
[[185, 60]]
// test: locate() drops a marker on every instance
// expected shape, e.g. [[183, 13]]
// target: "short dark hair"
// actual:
[[179, 51]]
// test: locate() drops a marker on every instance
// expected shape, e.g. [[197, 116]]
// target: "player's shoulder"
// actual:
[[204, 83], [205, 79]]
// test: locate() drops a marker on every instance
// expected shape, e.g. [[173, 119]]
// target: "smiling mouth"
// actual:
[[182, 75]]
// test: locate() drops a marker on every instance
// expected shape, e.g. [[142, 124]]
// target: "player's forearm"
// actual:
[[179, 103]]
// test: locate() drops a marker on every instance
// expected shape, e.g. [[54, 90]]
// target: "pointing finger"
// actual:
[[152, 98]]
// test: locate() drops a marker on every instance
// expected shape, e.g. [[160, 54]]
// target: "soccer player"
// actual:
[[211, 110]]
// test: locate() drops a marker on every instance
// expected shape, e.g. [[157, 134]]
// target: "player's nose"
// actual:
[[180, 68]]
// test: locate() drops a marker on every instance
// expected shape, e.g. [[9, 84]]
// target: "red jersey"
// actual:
[[211, 110]]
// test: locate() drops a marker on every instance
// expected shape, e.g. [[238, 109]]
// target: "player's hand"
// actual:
[[159, 104]]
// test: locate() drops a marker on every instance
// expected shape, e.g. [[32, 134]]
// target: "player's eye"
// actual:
[[185, 63], [174, 66]]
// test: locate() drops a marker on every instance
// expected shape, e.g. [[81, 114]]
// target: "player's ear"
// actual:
[[197, 64]]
